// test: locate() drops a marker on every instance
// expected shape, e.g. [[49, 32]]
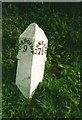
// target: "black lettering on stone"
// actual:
[[42, 42], [25, 40], [39, 42], [22, 42], [31, 49], [46, 50], [25, 47], [20, 46], [42, 50], [37, 46], [39, 51], [35, 51], [28, 41]]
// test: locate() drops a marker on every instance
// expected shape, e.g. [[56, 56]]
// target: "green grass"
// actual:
[[58, 96]]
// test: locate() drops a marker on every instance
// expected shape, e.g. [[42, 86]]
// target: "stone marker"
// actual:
[[31, 59]]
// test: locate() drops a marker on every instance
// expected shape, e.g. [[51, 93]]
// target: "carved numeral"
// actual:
[[42, 50], [39, 51], [25, 48]]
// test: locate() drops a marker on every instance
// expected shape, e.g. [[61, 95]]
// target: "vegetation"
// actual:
[[58, 96]]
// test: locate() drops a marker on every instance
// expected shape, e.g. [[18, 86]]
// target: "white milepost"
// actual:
[[31, 59]]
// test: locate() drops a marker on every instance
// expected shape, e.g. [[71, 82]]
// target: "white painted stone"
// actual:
[[31, 59]]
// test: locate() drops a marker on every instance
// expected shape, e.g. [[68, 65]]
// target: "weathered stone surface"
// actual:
[[31, 59]]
